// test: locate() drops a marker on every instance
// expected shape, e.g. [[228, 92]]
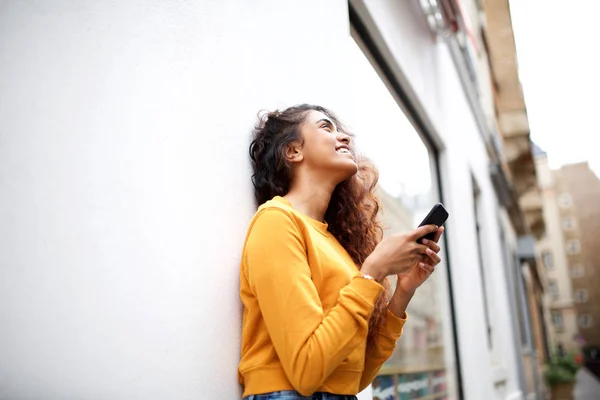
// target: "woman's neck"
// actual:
[[310, 198]]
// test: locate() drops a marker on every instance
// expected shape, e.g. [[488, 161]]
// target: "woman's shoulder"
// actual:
[[275, 222], [276, 212], [277, 203]]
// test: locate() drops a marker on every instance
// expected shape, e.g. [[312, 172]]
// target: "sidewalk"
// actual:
[[587, 387]]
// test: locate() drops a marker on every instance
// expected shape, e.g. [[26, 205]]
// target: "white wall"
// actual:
[[425, 66], [125, 190], [125, 184]]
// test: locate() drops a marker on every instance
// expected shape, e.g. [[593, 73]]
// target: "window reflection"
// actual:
[[386, 136]]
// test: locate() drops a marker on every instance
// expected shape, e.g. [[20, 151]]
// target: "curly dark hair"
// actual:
[[352, 214]]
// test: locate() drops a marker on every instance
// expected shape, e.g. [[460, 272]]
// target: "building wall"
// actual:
[[126, 188], [426, 65], [474, 17], [125, 184], [554, 260], [583, 187]]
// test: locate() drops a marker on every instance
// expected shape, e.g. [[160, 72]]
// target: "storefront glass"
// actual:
[[417, 369]]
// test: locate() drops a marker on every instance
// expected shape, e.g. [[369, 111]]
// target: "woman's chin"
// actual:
[[350, 169], [342, 171]]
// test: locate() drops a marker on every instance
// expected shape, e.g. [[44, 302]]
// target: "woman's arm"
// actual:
[[408, 282], [309, 344], [385, 342]]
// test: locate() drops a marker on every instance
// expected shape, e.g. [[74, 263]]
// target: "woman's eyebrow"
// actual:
[[328, 121]]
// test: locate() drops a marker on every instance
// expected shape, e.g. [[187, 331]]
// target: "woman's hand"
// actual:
[[399, 253], [421, 269]]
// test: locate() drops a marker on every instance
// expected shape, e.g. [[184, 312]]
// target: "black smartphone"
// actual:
[[437, 216]]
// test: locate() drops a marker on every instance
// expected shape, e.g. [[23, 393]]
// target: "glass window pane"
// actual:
[[585, 321], [564, 200], [581, 295], [386, 136], [547, 259], [557, 319], [573, 246], [553, 286], [577, 271], [568, 223]]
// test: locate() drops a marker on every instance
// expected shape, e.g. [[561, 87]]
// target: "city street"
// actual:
[[587, 387]]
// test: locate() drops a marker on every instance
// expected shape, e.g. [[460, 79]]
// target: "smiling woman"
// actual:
[[319, 317]]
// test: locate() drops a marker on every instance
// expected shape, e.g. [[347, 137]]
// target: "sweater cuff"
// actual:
[[393, 325], [368, 289]]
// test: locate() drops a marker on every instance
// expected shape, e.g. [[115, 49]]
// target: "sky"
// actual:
[[558, 49]]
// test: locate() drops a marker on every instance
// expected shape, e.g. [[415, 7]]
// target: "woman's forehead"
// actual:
[[315, 116]]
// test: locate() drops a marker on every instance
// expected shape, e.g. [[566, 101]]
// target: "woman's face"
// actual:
[[325, 150]]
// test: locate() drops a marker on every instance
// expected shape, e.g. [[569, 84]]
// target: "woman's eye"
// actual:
[[326, 127]]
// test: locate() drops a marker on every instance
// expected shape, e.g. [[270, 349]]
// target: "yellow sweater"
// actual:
[[306, 311]]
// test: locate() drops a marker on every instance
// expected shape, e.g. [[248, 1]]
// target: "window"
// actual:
[[585, 321], [483, 273], [565, 200], [522, 302], [573, 246], [581, 295], [577, 271], [407, 192], [568, 223], [553, 288], [547, 259], [557, 319]]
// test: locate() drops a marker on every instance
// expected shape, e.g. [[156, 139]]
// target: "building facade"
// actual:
[[578, 197], [556, 260]]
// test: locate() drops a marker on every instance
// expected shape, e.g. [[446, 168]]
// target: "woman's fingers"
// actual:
[[422, 231], [438, 234], [434, 256], [432, 245], [426, 267], [420, 249], [425, 250]]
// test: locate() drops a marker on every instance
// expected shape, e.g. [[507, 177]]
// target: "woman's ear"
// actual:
[[293, 153]]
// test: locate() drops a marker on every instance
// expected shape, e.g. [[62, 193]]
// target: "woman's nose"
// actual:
[[342, 137]]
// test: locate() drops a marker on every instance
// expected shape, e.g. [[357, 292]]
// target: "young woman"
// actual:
[[318, 322]]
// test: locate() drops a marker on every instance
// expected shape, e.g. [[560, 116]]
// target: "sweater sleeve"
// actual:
[[385, 343], [309, 344]]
